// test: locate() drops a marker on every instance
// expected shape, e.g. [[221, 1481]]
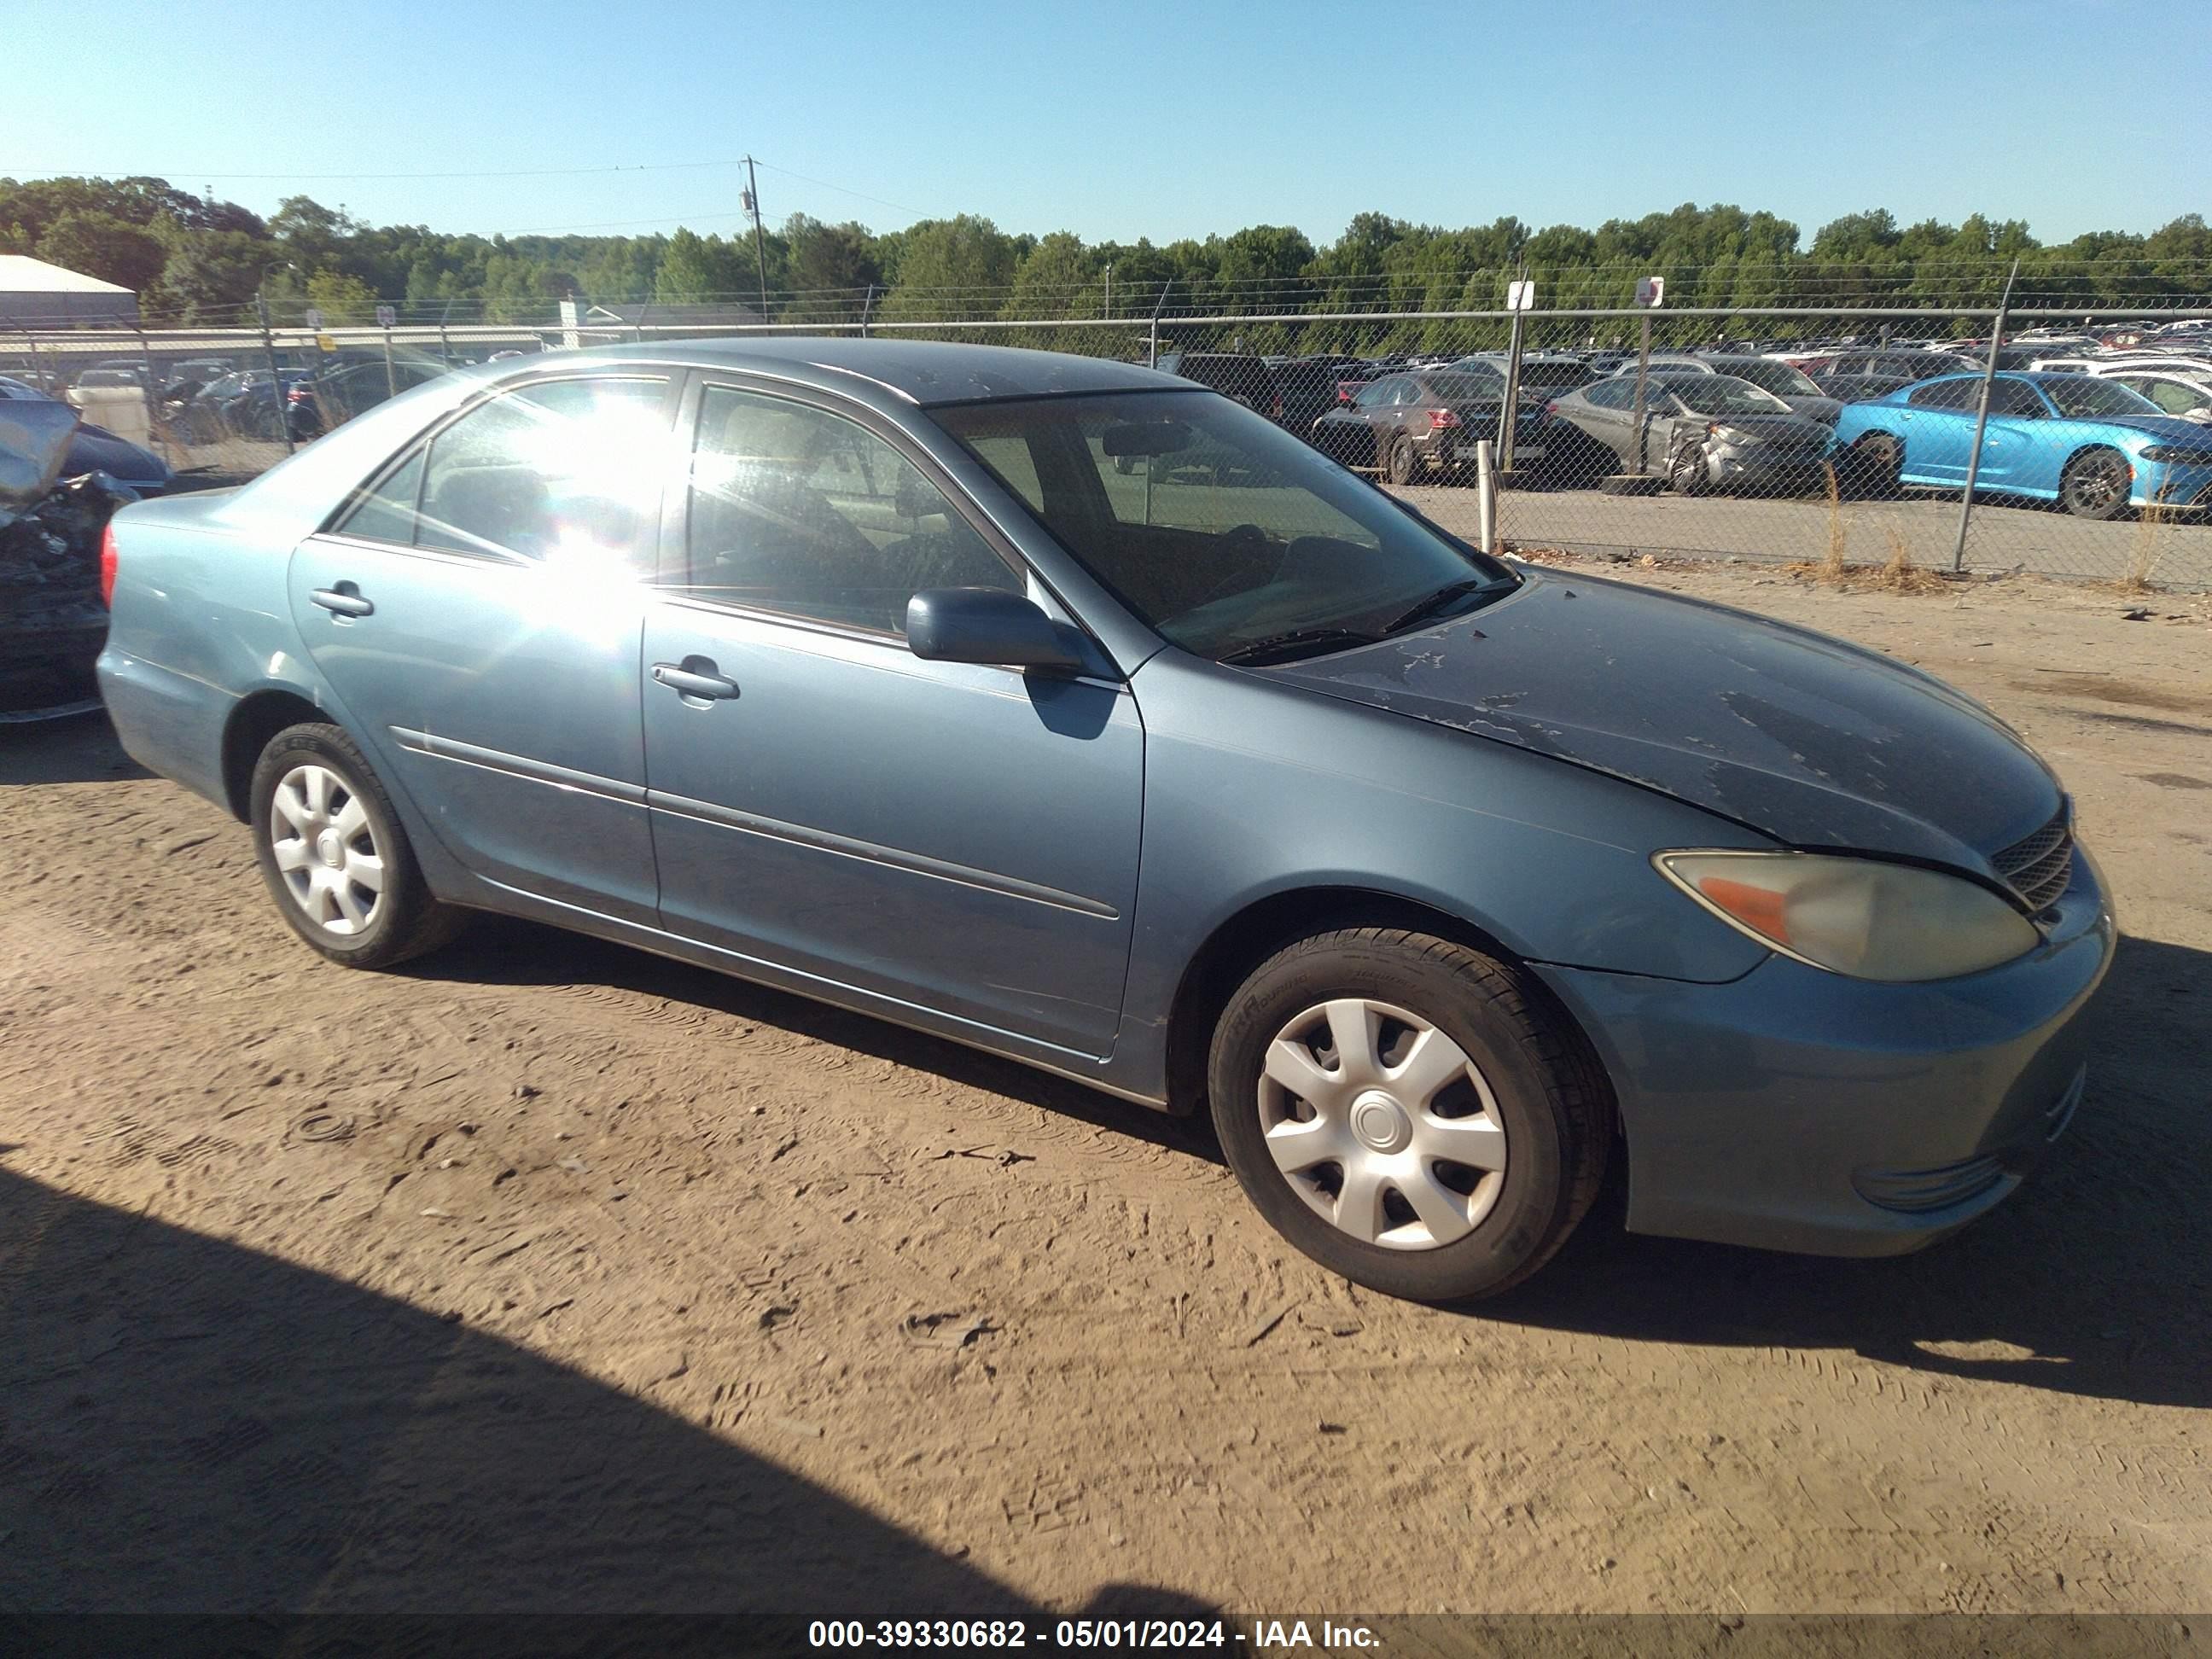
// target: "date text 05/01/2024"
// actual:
[[1263, 1634]]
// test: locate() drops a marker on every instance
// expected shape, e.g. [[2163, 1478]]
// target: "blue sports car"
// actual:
[[2079, 439], [862, 669]]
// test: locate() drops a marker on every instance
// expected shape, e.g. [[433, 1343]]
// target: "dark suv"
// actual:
[[1234, 375]]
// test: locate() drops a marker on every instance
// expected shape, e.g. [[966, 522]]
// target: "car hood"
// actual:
[[96, 449], [1769, 429], [1811, 741], [2177, 428], [1823, 410]]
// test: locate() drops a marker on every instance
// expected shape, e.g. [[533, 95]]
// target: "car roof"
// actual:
[[923, 371]]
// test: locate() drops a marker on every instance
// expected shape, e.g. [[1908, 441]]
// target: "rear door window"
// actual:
[[1940, 395], [569, 472]]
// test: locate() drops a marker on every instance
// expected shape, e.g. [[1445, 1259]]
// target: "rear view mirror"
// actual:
[[1145, 438], [989, 625]]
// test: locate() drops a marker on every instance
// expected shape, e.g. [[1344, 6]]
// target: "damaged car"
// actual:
[[52, 618], [1703, 431], [860, 669]]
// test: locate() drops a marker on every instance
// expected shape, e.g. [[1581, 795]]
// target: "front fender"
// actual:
[[1255, 788]]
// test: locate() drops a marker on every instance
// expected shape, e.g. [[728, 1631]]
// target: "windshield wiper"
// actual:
[[1298, 642], [1442, 600]]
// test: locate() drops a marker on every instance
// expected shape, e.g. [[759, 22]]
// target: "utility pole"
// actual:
[[760, 243]]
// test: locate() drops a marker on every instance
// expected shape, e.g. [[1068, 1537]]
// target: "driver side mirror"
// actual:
[[989, 625]]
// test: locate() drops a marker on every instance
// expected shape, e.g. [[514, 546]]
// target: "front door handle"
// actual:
[[343, 600], [695, 677]]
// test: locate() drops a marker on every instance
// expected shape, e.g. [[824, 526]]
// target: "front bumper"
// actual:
[[1795, 1109], [1763, 466]]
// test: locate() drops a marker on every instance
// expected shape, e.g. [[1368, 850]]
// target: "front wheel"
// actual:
[[1400, 1109], [2097, 484], [334, 856]]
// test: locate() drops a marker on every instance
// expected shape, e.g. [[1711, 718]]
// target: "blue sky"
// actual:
[[1133, 119]]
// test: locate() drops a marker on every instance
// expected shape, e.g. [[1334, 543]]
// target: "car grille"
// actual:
[[2038, 868]]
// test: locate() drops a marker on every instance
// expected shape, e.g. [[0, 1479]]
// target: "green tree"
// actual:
[[952, 267], [101, 245], [343, 300]]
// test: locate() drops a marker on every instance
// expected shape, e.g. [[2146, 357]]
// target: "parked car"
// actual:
[[316, 404], [1795, 390], [1420, 426], [1459, 879], [1912, 363], [2084, 441], [1859, 388], [1542, 373], [1308, 387], [96, 449], [2188, 395], [1703, 431]]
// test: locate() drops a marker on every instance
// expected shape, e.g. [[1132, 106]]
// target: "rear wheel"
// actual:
[[2096, 484], [334, 856], [1880, 459], [1400, 1109], [1401, 461]]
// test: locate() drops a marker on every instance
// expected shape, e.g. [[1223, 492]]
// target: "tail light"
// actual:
[[1440, 418], [298, 394], [1551, 409], [108, 564], [1278, 410]]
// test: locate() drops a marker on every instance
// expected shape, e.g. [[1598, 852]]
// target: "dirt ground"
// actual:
[[547, 1274]]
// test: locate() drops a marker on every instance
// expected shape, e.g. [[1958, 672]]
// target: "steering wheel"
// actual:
[[1241, 542]]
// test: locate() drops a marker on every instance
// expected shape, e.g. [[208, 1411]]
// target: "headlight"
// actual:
[[2179, 453], [1857, 916]]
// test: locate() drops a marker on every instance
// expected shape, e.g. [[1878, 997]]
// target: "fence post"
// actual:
[[275, 381], [867, 305], [37, 368], [1643, 377], [1152, 353], [1510, 411], [1486, 498], [1981, 420], [156, 429]]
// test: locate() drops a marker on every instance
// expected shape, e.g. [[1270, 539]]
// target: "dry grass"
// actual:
[[1898, 574], [2145, 548], [1835, 568]]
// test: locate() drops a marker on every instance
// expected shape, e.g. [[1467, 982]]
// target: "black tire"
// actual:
[[1552, 1100], [1878, 461], [2096, 484], [404, 919], [1401, 461]]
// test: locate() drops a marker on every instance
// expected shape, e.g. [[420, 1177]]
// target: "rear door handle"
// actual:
[[695, 677], [343, 600]]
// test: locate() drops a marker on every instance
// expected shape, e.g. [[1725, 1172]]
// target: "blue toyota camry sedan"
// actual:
[[2094, 446], [1080, 714]]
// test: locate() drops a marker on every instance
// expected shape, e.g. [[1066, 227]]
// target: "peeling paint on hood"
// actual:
[[1809, 739]]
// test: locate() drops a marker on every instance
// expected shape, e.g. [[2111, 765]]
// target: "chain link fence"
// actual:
[[1840, 437]]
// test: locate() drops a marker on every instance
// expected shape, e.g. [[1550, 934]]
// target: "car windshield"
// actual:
[[1218, 529], [1723, 394], [2085, 398], [1552, 375], [1455, 387], [1778, 378]]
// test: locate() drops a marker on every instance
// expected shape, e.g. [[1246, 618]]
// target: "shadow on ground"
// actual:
[[2095, 1278], [79, 748], [506, 950], [189, 1426]]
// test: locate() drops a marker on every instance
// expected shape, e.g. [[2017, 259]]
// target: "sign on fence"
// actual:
[[1520, 296], [386, 315], [314, 318], [1650, 290]]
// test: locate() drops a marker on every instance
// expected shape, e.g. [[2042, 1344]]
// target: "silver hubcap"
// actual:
[[325, 850], [1382, 1124]]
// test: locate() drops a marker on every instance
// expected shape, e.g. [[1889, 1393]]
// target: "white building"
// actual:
[[35, 295]]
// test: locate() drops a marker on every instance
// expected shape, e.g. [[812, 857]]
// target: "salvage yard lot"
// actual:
[[548, 1274]]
